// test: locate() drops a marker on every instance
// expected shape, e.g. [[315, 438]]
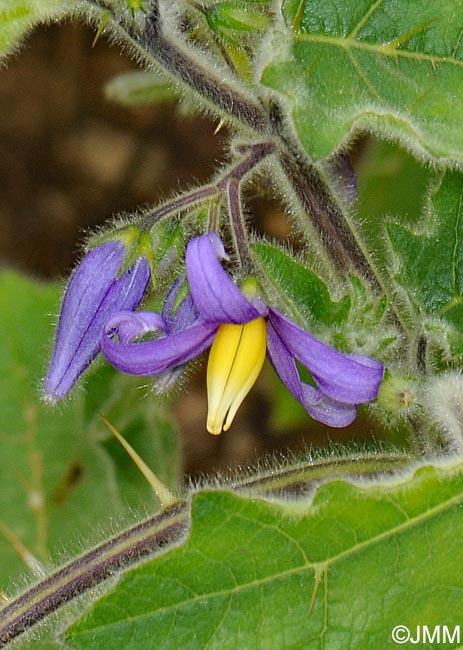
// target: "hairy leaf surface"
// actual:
[[339, 571], [391, 66]]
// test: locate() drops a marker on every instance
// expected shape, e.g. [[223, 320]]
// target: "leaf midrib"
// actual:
[[317, 567], [387, 50]]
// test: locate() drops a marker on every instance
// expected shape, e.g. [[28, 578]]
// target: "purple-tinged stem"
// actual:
[[231, 184], [91, 569], [238, 227], [171, 525], [251, 157], [195, 72], [204, 193]]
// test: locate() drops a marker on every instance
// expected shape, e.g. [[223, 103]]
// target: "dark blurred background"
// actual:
[[70, 159]]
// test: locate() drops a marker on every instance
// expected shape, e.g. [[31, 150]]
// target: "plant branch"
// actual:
[[188, 200], [229, 96], [250, 157], [91, 569], [220, 90]]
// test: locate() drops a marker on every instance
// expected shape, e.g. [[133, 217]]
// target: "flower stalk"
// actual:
[[228, 95]]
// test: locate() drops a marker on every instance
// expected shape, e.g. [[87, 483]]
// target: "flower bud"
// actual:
[[94, 294]]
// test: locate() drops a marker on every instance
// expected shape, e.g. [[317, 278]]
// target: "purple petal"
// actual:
[[150, 358], [327, 410], [319, 406], [215, 295], [92, 297], [284, 363], [133, 324], [348, 379]]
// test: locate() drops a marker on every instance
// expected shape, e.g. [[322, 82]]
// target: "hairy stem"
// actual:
[[91, 569], [170, 526], [228, 95], [219, 90], [238, 227], [185, 201], [250, 157], [207, 83], [231, 184]]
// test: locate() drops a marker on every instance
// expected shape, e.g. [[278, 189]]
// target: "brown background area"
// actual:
[[69, 160]]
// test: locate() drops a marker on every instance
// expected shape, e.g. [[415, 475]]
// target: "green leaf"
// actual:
[[62, 476], [431, 259], [390, 182], [355, 323], [298, 288], [17, 17], [391, 66], [339, 571]]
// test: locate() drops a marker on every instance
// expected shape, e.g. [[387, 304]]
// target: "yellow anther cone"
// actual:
[[235, 361]]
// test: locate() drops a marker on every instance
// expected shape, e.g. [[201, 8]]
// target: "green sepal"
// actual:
[[237, 17]]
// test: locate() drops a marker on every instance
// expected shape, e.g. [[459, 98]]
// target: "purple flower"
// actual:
[[93, 295], [240, 328]]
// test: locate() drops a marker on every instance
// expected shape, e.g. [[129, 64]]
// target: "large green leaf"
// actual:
[[61, 475], [431, 259], [339, 571], [392, 66]]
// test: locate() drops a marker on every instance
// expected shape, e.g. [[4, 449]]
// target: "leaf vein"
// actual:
[[385, 50]]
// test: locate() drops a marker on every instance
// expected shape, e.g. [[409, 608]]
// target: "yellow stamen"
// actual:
[[235, 361]]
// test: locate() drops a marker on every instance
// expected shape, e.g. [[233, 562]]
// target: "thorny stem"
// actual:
[[210, 85], [195, 72], [170, 526]]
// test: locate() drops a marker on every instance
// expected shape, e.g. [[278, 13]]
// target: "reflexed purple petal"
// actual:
[[352, 380], [91, 298], [319, 406], [283, 362], [327, 410], [215, 295], [150, 358], [133, 324]]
